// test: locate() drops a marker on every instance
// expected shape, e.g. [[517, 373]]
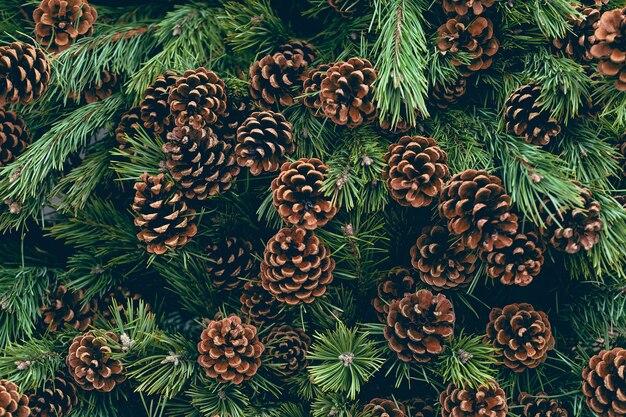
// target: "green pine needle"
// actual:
[[468, 361]]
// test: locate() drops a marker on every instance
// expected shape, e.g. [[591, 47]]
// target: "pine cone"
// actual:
[[522, 334], [442, 96], [100, 90], [121, 296], [56, 400], [473, 37], [155, 109], [603, 383], [401, 127], [90, 364], [478, 210], [578, 41], [473, 402], [164, 220], [232, 262], [298, 196], [12, 404], [418, 407], [442, 264], [312, 85], [264, 140], [14, 138], [237, 110], [24, 73], [416, 170], [535, 406], [346, 8], [347, 93], [66, 306], [197, 98], [380, 407], [419, 325], [128, 126], [230, 351], [463, 7], [396, 284], [60, 23], [287, 347], [517, 264], [610, 46], [525, 117], [258, 304], [296, 266]]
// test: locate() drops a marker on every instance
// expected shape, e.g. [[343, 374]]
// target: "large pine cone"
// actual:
[[297, 194], [396, 284], [478, 209], [12, 404], [522, 334], [471, 36], [128, 126], [60, 23], [56, 400], [473, 402], [517, 264], [67, 306], [442, 264], [416, 170], [380, 407], [347, 93], [578, 41], [610, 46], [14, 138], [463, 7], [419, 325], [536, 406], [443, 96], [24, 73], [90, 364], [287, 347], [232, 262], [155, 109], [164, 220], [312, 85], [604, 380], [525, 117], [197, 98], [296, 266], [258, 304], [264, 141], [230, 350]]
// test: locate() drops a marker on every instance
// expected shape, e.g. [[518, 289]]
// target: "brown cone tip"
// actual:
[[609, 49], [489, 400], [67, 307], [12, 403], [581, 37], [396, 284], [60, 23], [14, 137], [99, 90], [463, 7], [128, 126], [524, 116], [259, 305], [517, 264], [57, 399], [540, 405], [287, 346], [155, 109], [311, 86], [603, 382], [380, 407], [231, 263], [90, 364], [444, 95], [24, 73]]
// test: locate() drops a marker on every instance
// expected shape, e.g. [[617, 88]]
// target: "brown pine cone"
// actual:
[[297, 194], [121, 296], [522, 334], [90, 364], [287, 346], [100, 90], [258, 304], [237, 110], [55, 400], [471, 36], [12, 404], [232, 263], [416, 170], [442, 96], [578, 40], [394, 285], [517, 264], [477, 209], [164, 220], [264, 141], [380, 407], [197, 98], [230, 350], [442, 264], [346, 8], [419, 325], [347, 93], [603, 383], [525, 117], [312, 85], [463, 7], [24, 73], [536, 406], [401, 127], [60, 23], [473, 402], [65, 306], [419, 407], [128, 126], [14, 137], [610, 46], [296, 266], [155, 109]]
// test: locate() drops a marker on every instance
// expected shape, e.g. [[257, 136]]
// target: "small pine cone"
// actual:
[[12, 404], [419, 325], [471, 36], [259, 305], [463, 7], [312, 85], [572, 229], [197, 98], [297, 194], [128, 126], [90, 364], [610, 47], [442, 96], [287, 346], [296, 266], [155, 109], [164, 220], [396, 284], [347, 93], [380, 407], [578, 41], [24, 73], [442, 264], [232, 262], [100, 90], [264, 141], [416, 170], [60, 23], [401, 127], [230, 350], [478, 210], [536, 406], [522, 334], [121, 296], [56, 400], [485, 401], [346, 8], [237, 110], [525, 117], [65, 306], [419, 407], [517, 264], [603, 383], [14, 138]]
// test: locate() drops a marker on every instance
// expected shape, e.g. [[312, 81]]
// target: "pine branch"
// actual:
[[213, 398], [613, 101], [146, 156], [33, 363]]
